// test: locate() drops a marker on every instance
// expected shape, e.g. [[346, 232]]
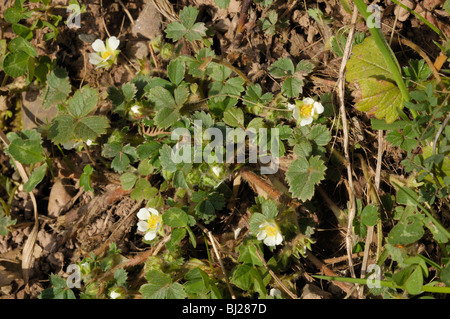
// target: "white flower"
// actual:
[[104, 55], [88, 142], [150, 222], [114, 295], [217, 170], [274, 292], [306, 111], [136, 110], [270, 233], [117, 293]]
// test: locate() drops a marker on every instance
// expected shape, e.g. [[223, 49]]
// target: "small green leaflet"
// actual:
[[234, 117], [83, 102], [85, 178], [57, 89], [293, 76], [5, 221], [303, 175], [36, 177]]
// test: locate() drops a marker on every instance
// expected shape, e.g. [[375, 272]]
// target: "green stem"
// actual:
[[387, 53]]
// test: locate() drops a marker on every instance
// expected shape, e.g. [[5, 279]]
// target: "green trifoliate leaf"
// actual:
[[303, 175], [160, 286], [187, 27]]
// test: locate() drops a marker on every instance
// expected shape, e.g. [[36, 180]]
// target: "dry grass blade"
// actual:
[[166, 9], [275, 277], [216, 252], [345, 129]]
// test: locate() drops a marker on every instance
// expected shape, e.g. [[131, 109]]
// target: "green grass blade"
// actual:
[[383, 283], [425, 21]]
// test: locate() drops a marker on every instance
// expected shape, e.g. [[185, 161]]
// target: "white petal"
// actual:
[[308, 101], [278, 239], [306, 121], [275, 292], [237, 231], [99, 46], [153, 211], [270, 241], [143, 214], [142, 226], [95, 59], [113, 43], [136, 110], [114, 295], [318, 107], [296, 113], [291, 106], [261, 235], [150, 235]]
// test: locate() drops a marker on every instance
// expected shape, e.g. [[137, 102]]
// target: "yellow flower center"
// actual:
[[306, 110], [106, 54], [271, 231], [153, 221]]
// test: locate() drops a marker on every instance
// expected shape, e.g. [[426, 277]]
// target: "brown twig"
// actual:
[[347, 288]]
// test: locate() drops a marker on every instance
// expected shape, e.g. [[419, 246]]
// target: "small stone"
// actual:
[[314, 292], [33, 114], [148, 24], [401, 13]]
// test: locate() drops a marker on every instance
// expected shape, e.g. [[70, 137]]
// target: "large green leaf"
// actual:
[[375, 89]]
